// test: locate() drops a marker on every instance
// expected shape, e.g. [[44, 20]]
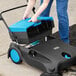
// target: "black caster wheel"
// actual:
[[50, 74], [15, 55], [32, 53], [45, 74]]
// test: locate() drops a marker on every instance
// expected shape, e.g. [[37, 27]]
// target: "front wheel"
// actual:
[[50, 74]]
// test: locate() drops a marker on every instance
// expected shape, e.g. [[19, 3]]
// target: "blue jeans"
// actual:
[[61, 6]]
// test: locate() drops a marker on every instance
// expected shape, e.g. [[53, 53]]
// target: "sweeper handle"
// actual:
[[2, 19]]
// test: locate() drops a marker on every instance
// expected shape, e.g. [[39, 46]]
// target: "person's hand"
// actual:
[[33, 19], [25, 16]]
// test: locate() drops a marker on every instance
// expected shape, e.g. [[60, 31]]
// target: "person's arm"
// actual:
[[29, 8], [40, 10]]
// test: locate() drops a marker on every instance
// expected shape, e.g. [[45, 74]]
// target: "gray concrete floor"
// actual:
[[7, 68]]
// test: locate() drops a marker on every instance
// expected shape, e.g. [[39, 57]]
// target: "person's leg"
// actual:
[[47, 10], [62, 6]]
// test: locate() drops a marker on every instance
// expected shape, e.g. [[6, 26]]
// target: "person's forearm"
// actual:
[[29, 7], [42, 8]]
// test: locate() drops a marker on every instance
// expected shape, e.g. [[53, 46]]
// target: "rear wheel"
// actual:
[[15, 56]]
